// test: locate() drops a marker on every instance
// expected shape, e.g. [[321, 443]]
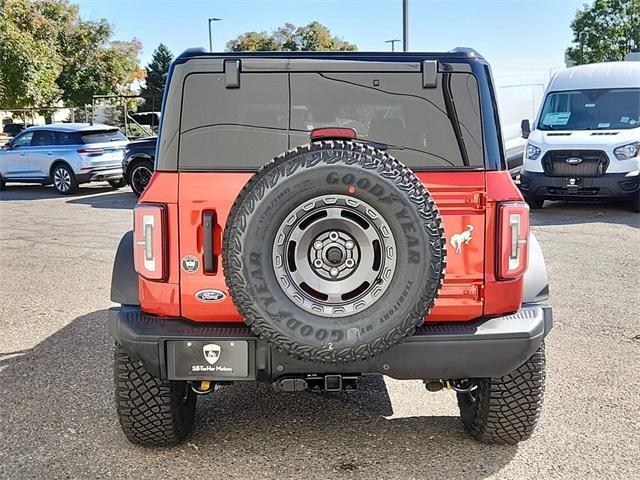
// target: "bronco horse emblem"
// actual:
[[458, 239]]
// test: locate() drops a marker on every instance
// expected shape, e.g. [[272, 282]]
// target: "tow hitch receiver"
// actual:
[[329, 383]]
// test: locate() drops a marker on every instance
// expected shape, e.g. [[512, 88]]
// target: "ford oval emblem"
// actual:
[[210, 296], [573, 160]]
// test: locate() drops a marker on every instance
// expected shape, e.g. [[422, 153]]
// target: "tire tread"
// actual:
[[150, 410], [367, 158], [507, 409]]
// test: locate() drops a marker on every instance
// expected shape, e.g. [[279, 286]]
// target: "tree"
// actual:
[[92, 63], [49, 53], [311, 37], [92, 70], [156, 78], [253, 42], [605, 31], [28, 67]]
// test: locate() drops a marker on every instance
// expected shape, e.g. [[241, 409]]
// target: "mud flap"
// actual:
[[124, 279]]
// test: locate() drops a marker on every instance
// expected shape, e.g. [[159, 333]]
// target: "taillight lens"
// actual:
[[333, 132], [91, 151], [149, 251], [513, 248]]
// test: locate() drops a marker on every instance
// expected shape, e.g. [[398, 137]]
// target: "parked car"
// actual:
[[586, 140], [150, 119], [65, 155], [137, 166], [328, 262], [12, 129]]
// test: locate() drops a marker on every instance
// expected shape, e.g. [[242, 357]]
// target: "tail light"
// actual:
[[328, 133], [91, 151], [513, 245], [149, 250]]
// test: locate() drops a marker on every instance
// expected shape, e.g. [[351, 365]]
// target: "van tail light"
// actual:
[[149, 233], [513, 243]]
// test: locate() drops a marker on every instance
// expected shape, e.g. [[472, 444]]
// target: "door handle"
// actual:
[[208, 225]]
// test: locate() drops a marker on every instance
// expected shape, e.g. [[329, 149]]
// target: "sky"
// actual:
[[513, 35]]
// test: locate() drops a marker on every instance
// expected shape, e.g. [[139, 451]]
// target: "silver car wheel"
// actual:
[[62, 179], [334, 255]]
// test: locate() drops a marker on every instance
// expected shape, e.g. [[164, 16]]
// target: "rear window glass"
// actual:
[[234, 128], [244, 128], [414, 124], [103, 136]]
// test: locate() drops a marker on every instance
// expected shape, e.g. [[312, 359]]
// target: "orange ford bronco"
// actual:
[[316, 217]]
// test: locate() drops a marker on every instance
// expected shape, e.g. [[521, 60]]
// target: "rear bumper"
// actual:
[[484, 348], [605, 187], [100, 175]]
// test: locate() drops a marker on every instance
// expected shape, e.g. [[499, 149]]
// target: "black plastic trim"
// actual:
[[489, 347], [124, 279], [606, 186], [232, 73], [536, 280], [208, 225]]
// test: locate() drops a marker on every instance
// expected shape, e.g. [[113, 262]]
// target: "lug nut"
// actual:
[[333, 236], [334, 272], [349, 263], [349, 245], [317, 245], [317, 263]]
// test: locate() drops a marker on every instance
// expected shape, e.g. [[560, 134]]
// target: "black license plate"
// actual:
[[204, 359]]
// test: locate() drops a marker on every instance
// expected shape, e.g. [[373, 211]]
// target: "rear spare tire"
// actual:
[[334, 252]]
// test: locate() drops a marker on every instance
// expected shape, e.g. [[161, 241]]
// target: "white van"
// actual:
[[519, 96], [585, 144]]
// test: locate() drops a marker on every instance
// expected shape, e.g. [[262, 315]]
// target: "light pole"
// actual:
[[405, 25], [393, 44], [213, 19]]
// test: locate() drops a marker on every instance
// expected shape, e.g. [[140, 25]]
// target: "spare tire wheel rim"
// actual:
[[334, 255]]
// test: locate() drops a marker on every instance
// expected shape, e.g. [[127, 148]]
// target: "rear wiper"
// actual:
[[379, 145]]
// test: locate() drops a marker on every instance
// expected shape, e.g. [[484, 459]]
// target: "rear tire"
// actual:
[[635, 204], [506, 410], [139, 176], [119, 183], [535, 203], [152, 411], [64, 180]]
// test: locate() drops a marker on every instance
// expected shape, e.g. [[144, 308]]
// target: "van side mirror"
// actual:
[[525, 128]]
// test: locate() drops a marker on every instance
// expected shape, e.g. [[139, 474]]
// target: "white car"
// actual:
[[586, 139], [65, 155]]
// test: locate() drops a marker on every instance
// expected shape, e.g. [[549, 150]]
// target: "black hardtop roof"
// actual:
[[459, 54]]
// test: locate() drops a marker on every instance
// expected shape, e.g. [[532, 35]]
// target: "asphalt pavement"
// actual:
[[57, 415]]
